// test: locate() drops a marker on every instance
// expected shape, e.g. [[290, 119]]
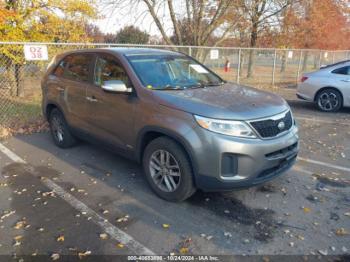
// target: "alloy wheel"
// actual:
[[327, 101], [165, 170]]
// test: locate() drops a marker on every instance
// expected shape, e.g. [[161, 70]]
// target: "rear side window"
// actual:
[[107, 68], [74, 67], [342, 71]]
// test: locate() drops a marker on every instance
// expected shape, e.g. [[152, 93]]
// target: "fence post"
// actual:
[[189, 51], [274, 68], [299, 65], [320, 60], [333, 57], [238, 66]]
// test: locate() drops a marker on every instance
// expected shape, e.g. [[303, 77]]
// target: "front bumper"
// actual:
[[224, 162]]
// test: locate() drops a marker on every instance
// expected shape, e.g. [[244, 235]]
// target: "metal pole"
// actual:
[[333, 57], [274, 68], [300, 58], [189, 51], [320, 60], [238, 66]]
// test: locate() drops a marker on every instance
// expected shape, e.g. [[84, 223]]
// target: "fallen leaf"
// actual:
[[306, 209], [123, 219], [19, 224], [103, 236], [184, 250], [120, 245], [166, 225], [17, 238], [60, 239], [323, 252], [17, 243], [55, 256], [341, 232], [300, 237], [7, 214], [84, 254]]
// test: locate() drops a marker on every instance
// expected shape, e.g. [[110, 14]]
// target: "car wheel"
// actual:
[[60, 131], [329, 100], [168, 170]]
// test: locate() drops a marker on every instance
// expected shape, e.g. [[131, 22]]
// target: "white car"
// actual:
[[328, 87]]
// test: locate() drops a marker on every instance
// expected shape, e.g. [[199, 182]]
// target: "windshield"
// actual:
[[172, 72]]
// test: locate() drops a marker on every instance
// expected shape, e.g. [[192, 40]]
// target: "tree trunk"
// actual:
[[17, 86], [316, 62], [12, 79], [251, 60], [284, 61], [306, 56]]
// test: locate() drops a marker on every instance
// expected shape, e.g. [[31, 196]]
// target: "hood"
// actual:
[[229, 101]]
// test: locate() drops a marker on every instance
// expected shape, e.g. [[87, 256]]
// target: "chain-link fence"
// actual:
[[20, 92]]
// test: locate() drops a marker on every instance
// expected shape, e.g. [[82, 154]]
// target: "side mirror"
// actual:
[[116, 86]]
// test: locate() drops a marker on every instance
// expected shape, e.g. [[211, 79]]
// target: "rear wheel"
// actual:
[[329, 100], [60, 131], [168, 170]]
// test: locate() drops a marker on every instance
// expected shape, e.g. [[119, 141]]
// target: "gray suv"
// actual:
[[189, 128]]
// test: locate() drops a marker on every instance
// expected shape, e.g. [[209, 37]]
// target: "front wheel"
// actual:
[[168, 170], [329, 100]]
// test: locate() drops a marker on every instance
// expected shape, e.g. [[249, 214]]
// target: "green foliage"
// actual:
[[132, 35]]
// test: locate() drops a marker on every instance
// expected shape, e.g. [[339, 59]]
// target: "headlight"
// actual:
[[226, 127]]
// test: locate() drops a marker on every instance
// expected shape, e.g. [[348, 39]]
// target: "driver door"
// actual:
[[110, 114]]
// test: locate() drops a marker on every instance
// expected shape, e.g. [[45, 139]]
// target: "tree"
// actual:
[[204, 21], [132, 35], [259, 14], [94, 33], [40, 20]]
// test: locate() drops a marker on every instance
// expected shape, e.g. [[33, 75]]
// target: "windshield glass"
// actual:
[[171, 72]]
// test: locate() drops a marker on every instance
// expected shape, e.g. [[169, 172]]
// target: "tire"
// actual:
[[179, 178], [59, 128], [329, 100]]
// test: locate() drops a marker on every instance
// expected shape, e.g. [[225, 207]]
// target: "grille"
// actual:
[[269, 127]]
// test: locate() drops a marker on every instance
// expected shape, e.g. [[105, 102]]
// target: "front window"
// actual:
[[172, 72], [108, 69]]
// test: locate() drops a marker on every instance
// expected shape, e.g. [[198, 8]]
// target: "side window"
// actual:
[[107, 69], [342, 71], [77, 67]]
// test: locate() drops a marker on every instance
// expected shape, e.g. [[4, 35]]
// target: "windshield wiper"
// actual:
[[168, 87], [204, 85]]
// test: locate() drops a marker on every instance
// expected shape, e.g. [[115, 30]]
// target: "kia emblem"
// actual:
[[281, 125]]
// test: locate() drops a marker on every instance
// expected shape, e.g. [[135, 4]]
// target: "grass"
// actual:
[[15, 111]]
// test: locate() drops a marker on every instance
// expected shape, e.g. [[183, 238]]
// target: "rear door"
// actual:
[[342, 78], [71, 78], [111, 115]]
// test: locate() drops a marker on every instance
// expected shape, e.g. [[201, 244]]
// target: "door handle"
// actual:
[[91, 99], [345, 80]]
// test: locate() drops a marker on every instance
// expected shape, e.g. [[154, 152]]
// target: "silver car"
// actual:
[[189, 128], [328, 87]]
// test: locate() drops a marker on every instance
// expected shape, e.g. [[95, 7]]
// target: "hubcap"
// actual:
[[328, 101], [57, 128], [165, 170]]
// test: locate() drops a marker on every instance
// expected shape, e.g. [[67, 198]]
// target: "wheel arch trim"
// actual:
[[168, 133]]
